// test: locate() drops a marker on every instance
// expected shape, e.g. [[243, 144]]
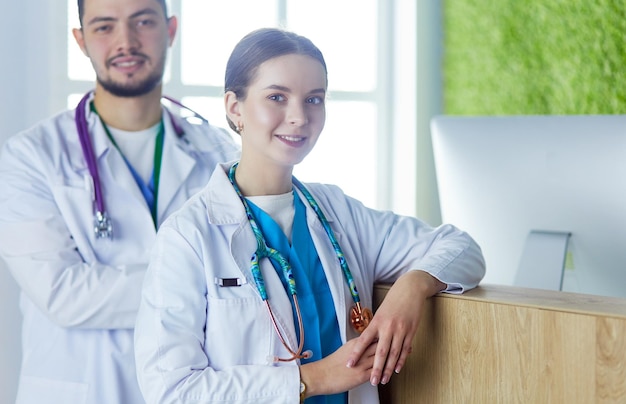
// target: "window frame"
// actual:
[[395, 98]]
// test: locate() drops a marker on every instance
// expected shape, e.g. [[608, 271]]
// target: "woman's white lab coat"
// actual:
[[197, 341], [80, 295]]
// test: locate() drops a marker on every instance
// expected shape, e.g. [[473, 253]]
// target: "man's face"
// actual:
[[127, 42]]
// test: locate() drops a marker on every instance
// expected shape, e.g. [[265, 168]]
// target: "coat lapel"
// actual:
[[176, 166]]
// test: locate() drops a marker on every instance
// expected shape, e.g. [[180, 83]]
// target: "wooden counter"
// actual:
[[503, 344]]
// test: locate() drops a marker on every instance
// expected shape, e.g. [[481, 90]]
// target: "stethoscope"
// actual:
[[103, 227], [359, 317]]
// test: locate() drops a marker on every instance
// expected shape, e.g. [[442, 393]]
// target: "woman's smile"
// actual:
[[292, 140]]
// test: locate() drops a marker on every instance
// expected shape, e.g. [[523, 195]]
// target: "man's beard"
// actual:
[[128, 91]]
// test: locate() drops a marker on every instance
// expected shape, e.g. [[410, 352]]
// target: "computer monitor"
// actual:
[[544, 196]]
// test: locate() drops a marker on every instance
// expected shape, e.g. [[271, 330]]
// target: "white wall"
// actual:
[[25, 98], [12, 100]]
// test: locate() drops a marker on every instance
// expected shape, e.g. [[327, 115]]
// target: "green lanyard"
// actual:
[[156, 171], [150, 191]]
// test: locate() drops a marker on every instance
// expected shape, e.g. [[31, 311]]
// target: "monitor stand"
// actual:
[[543, 260]]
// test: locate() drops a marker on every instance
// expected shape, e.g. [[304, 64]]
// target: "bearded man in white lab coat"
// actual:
[[80, 288]]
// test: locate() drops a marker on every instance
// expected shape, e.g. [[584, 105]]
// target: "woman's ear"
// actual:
[[232, 106]]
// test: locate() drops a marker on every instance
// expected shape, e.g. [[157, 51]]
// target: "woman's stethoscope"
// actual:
[[359, 317], [102, 223]]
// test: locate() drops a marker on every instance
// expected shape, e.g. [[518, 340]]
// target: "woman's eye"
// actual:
[[315, 100], [276, 97]]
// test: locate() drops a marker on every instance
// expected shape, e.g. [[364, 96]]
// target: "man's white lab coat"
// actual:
[[79, 294]]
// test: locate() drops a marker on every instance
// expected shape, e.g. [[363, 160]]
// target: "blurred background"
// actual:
[[393, 64]]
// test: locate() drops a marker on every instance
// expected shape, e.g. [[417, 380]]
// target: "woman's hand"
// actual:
[[330, 374], [394, 325]]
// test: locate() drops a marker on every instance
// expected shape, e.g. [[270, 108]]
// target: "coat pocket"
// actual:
[[41, 390], [238, 332]]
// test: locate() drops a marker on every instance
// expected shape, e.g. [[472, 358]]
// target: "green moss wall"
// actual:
[[510, 57]]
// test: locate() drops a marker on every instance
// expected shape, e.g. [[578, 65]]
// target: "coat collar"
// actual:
[[223, 205], [220, 194]]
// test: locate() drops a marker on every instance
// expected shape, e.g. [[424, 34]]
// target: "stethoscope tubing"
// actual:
[[102, 223], [360, 317], [82, 126]]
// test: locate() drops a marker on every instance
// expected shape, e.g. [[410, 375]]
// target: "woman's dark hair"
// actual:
[[260, 46], [81, 9]]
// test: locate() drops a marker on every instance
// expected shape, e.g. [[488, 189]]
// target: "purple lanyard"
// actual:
[[102, 223]]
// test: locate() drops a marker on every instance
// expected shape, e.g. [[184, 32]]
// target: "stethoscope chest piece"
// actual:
[[360, 318], [102, 225]]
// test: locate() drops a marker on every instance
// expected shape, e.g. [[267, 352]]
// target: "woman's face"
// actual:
[[284, 110]]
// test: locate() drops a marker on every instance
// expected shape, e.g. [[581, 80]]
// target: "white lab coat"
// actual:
[[199, 342], [80, 295]]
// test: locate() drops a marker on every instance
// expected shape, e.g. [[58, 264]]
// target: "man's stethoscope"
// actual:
[[359, 317], [102, 222]]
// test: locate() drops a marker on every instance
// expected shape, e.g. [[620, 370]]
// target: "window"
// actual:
[[366, 148]]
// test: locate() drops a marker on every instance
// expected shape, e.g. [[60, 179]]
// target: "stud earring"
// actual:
[[239, 127]]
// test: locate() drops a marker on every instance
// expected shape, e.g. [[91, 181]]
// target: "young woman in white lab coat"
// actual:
[[215, 327]]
